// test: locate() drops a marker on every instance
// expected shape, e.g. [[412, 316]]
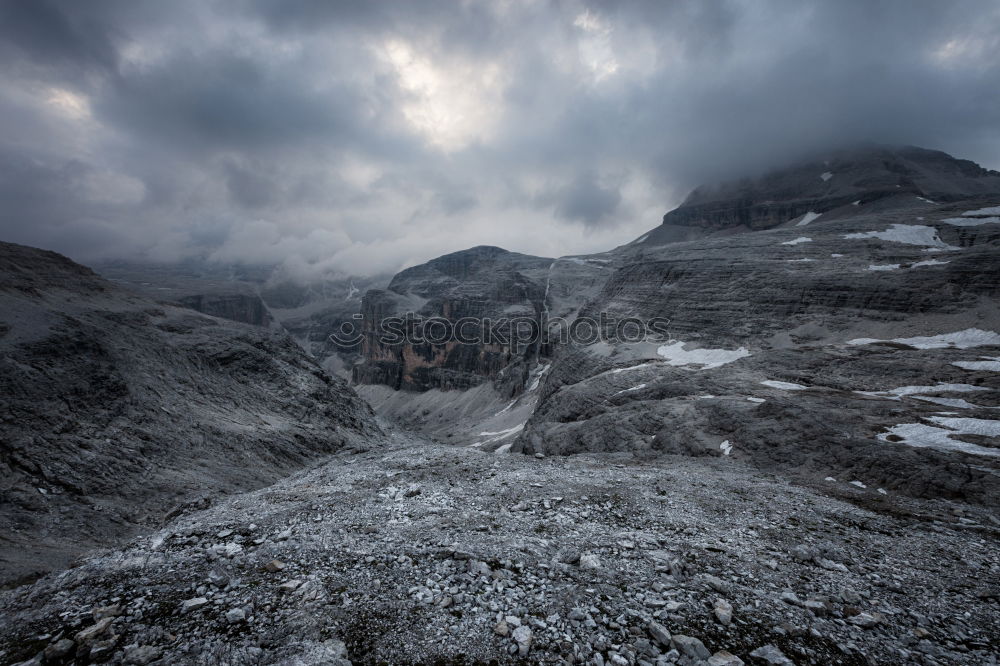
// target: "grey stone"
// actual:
[[659, 633], [770, 654], [723, 611], [690, 647]]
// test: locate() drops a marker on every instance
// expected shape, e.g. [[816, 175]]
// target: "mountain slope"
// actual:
[[116, 409], [764, 298], [782, 351], [863, 175]]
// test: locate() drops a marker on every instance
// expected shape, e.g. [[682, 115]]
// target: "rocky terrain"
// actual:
[[429, 554], [762, 360], [765, 353], [220, 291], [801, 467], [115, 409]]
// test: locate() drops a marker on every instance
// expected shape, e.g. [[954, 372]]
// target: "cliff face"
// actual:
[[114, 409], [480, 283], [245, 308]]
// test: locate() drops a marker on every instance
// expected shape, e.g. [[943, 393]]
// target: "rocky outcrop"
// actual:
[[245, 308], [483, 283], [116, 409]]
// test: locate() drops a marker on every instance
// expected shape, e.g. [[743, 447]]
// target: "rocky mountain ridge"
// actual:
[[864, 175], [758, 363], [117, 409]]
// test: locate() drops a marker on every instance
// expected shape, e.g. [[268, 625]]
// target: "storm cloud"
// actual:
[[362, 137]]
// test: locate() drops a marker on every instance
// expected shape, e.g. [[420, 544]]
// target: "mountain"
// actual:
[[310, 310], [118, 409], [865, 175], [798, 463], [212, 290], [760, 360], [483, 283]]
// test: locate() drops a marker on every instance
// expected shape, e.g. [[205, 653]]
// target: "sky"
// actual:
[[363, 137]]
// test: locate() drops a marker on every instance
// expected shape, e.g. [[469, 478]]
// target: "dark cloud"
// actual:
[[366, 135], [59, 34], [585, 200]]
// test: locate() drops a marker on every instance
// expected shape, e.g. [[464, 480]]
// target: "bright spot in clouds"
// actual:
[[451, 105]]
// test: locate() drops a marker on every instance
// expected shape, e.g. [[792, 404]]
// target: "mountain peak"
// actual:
[[861, 174]]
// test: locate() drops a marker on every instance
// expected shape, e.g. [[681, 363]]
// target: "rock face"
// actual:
[[317, 311], [511, 291], [116, 409], [758, 363], [246, 308], [213, 290], [766, 359], [481, 283], [865, 174], [311, 310]]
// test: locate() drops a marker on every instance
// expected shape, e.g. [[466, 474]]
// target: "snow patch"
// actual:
[[628, 390], [807, 218], [757, 400], [926, 200], [970, 221], [707, 358], [970, 337], [967, 426], [898, 393], [536, 376], [726, 448], [507, 408], [883, 267], [929, 262], [797, 241], [640, 239], [858, 484], [992, 210], [633, 367], [836, 256], [921, 435], [784, 386], [956, 403], [799, 261], [856, 203], [987, 363], [910, 234], [498, 436], [825, 176]]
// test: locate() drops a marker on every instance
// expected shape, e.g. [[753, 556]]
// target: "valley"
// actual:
[[798, 464]]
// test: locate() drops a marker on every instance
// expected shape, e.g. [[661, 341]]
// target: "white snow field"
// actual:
[[970, 337], [784, 386], [807, 218], [910, 234], [797, 241], [707, 358]]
